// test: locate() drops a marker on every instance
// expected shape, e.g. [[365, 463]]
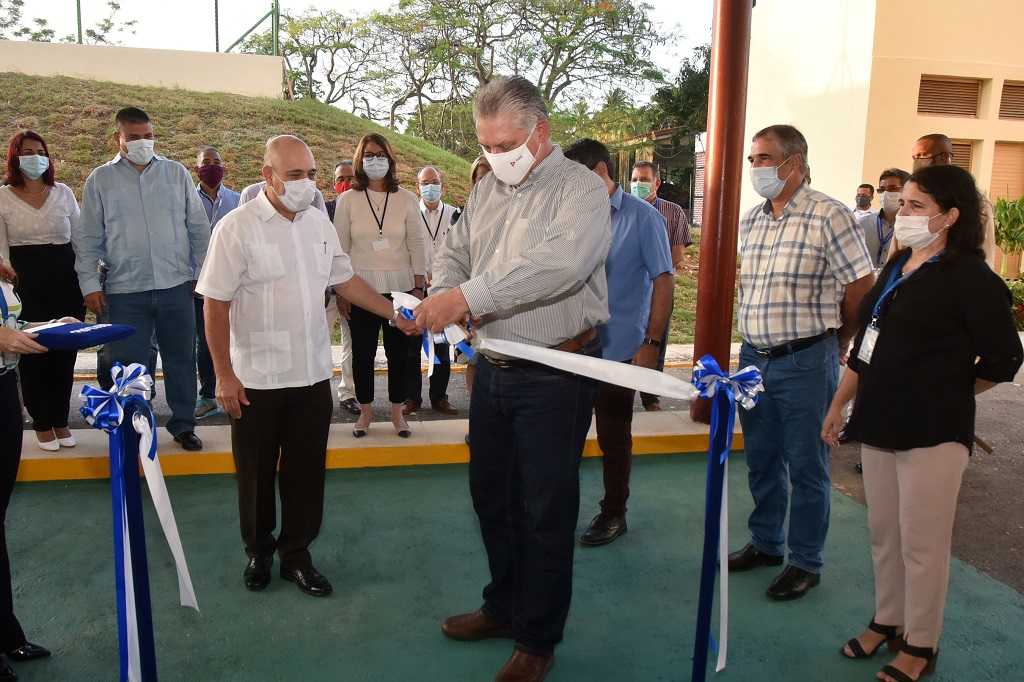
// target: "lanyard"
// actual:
[[882, 241], [380, 223], [893, 283], [440, 215]]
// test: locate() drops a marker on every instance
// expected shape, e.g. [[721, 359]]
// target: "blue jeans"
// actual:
[[527, 429], [782, 439], [171, 315]]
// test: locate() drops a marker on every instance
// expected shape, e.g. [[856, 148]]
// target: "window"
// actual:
[[1011, 104], [942, 96], [963, 154], [1008, 170]]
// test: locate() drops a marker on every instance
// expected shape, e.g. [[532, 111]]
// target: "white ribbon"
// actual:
[[452, 334]]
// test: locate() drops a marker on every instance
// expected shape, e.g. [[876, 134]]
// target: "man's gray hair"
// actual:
[[513, 96], [791, 141]]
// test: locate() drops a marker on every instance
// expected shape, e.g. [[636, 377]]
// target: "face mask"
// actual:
[[890, 202], [430, 193], [211, 175], [375, 168], [641, 190], [512, 166], [139, 152], [912, 230], [766, 180], [343, 186], [863, 201], [33, 165], [923, 163], [298, 194]]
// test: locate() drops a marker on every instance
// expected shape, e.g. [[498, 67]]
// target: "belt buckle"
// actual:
[[763, 352]]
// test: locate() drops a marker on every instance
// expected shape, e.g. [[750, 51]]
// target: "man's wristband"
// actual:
[[652, 342]]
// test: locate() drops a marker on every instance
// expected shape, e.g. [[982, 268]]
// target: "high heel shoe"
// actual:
[[927, 653], [887, 631], [68, 442], [49, 445], [358, 433]]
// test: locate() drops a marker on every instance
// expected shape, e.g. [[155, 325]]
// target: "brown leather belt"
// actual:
[[573, 345]]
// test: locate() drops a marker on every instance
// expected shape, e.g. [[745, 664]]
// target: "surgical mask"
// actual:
[[33, 165], [343, 186], [298, 194], [430, 193], [912, 230], [375, 168], [641, 190], [511, 167], [863, 201], [211, 175], [766, 180], [890, 201], [139, 152]]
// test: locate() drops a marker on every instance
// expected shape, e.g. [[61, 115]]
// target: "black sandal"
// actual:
[[917, 652], [891, 638]]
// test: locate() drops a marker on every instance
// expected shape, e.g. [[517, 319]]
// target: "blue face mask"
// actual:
[[33, 165], [430, 193]]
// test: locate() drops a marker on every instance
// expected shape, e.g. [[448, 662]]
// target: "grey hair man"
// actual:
[[526, 262]]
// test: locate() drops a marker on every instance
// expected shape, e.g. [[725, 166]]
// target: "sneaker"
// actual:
[[206, 407]]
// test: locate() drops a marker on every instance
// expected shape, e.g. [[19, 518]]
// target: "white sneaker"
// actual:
[[206, 407]]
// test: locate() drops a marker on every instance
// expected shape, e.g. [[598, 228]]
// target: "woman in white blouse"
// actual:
[[379, 227], [37, 216]]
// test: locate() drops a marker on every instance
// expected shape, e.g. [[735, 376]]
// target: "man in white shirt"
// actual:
[[254, 190], [863, 207], [269, 263], [436, 217]]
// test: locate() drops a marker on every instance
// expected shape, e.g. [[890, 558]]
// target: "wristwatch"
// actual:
[[652, 342], [394, 318]]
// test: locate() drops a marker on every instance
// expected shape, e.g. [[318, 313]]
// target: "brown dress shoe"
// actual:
[[653, 407], [524, 667], [444, 407], [410, 406], [350, 406], [470, 627]]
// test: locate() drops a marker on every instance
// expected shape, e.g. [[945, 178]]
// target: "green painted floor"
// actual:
[[402, 549]]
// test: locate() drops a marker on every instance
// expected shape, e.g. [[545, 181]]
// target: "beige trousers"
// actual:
[[347, 387], [911, 496]]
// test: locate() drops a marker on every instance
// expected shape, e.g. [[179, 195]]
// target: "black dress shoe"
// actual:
[[843, 436], [7, 673], [792, 583], [751, 557], [603, 529], [309, 580], [27, 652], [350, 406], [257, 573], [189, 441]]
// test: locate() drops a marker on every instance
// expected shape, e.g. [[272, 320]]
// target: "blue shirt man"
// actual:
[[142, 216], [639, 270]]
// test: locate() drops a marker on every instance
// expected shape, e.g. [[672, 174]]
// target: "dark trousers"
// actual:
[[365, 327], [286, 427], [527, 429], [648, 398], [438, 380], [204, 361], [48, 287], [11, 634], [613, 415]]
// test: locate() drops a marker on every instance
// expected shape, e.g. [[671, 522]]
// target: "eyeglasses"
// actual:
[[378, 155], [890, 188]]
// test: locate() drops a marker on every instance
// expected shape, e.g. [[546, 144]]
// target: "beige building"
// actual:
[[864, 79]]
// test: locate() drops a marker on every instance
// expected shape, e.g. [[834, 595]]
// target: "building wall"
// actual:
[[241, 74]]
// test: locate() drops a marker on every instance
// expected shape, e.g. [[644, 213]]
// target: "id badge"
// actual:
[[867, 344], [381, 244]]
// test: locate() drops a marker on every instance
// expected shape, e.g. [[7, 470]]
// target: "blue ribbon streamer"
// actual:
[[724, 390]]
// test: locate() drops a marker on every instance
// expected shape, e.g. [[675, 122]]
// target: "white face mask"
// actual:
[[375, 168], [890, 202], [298, 194], [912, 230], [139, 151], [511, 167], [33, 165], [766, 180]]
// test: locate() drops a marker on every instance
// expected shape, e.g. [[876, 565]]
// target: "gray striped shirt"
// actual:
[[530, 259]]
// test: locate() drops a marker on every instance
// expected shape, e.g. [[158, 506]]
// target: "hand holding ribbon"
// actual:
[[452, 334]]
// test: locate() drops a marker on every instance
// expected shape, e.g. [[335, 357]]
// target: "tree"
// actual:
[[101, 34], [685, 102]]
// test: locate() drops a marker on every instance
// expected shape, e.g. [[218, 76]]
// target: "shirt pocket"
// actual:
[[118, 202], [171, 203], [271, 352], [264, 262], [323, 256]]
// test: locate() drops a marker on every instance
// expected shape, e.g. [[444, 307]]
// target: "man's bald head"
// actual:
[[282, 145], [932, 150], [428, 171]]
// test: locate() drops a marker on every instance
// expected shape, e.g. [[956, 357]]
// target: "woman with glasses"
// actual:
[[37, 217], [379, 227]]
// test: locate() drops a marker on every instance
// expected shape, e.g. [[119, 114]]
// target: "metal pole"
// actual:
[[216, 26], [79, 3], [727, 107], [276, 9]]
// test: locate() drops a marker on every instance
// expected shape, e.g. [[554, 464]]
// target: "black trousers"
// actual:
[[48, 287], [11, 634], [286, 427], [204, 361], [438, 389], [366, 327]]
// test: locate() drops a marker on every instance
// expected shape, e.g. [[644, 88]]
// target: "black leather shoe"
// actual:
[[843, 436], [603, 529], [7, 673], [257, 573], [27, 652], [792, 583], [189, 441], [751, 557], [350, 406], [309, 580]]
